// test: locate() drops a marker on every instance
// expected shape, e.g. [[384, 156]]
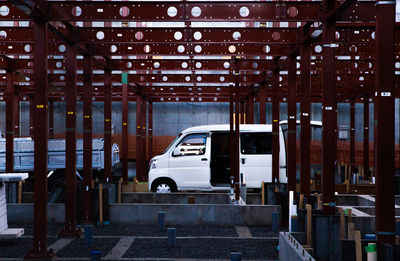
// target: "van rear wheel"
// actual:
[[163, 186]]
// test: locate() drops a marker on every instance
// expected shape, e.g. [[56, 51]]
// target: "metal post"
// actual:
[[305, 133], [275, 128], [107, 125], [231, 137], [31, 114], [261, 102], [70, 229], [291, 136], [143, 143], [16, 115], [150, 119], [125, 115], [250, 114], [41, 130], [366, 136], [352, 133], [87, 139], [138, 136], [384, 148], [243, 109], [51, 119], [237, 130], [328, 111], [10, 120]]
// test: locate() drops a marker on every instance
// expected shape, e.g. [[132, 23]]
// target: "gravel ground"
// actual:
[[78, 249], [17, 248], [182, 231], [204, 248], [52, 230], [263, 232]]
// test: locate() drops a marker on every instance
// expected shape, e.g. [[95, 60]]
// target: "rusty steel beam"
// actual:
[[16, 114], [39, 249], [262, 104], [87, 140], [384, 134], [352, 132], [31, 114], [364, 50], [366, 135], [138, 137], [51, 119], [291, 132], [346, 34], [10, 119], [125, 117], [231, 138], [150, 129], [237, 131], [143, 142], [328, 112], [70, 229], [275, 128], [107, 126], [192, 12], [347, 66], [305, 133]]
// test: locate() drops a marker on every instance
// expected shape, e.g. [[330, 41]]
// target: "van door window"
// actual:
[[192, 144], [256, 143]]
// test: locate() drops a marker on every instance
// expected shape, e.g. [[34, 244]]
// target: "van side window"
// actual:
[[256, 143], [192, 144]]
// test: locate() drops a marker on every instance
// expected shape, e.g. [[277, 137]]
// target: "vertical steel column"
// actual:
[[250, 113], [125, 115], [70, 229], [352, 132], [143, 143], [41, 131], [87, 139], [261, 102], [107, 124], [138, 136], [291, 134], [237, 130], [16, 115], [51, 119], [305, 133], [150, 119], [384, 149], [31, 114], [243, 105], [328, 111], [275, 127], [366, 136], [10, 119], [231, 136]]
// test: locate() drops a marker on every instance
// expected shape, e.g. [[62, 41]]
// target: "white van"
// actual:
[[198, 159]]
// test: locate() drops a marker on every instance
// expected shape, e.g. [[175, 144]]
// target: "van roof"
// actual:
[[226, 127]]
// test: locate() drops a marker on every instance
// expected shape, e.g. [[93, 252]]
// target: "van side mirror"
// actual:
[[177, 151]]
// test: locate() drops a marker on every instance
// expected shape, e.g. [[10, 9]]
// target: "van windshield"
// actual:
[[169, 146]]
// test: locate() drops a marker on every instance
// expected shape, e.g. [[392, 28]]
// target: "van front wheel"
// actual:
[[163, 186]]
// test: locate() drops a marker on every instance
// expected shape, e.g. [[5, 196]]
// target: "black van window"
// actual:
[[192, 144], [256, 143]]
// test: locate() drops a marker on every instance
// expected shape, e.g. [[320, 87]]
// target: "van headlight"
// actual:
[[153, 163]]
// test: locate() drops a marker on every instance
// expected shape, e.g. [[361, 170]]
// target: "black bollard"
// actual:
[[275, 221], [161, 220], [89, 235], [171, 232], [95, 255], [236, 256]]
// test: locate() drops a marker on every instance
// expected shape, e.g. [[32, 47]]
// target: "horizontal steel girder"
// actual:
[[192, 11]]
